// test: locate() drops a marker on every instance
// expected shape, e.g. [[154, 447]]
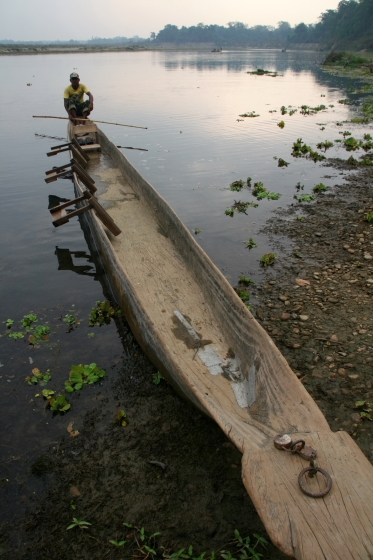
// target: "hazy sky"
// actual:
[[81, 19]]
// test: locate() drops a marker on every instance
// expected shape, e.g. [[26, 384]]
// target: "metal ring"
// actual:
[[315, 494], [293, 450]]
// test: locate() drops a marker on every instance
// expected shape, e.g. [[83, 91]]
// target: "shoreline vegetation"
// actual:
[[349, 27]]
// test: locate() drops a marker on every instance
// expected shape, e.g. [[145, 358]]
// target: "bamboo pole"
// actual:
[[90, 120]]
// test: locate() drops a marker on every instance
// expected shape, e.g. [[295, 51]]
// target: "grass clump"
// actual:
[[268, 259], [304, 197], [245, 280], [243, 294], [320, 188]]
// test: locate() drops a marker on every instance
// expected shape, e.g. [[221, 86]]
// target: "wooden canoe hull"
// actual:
[[197, 331]]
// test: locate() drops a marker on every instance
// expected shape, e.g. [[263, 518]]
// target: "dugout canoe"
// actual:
[[201, 336]]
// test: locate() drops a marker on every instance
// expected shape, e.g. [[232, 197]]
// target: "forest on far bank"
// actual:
[[349, 26]]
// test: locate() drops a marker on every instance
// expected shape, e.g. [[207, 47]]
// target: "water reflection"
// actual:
[[65, 261]]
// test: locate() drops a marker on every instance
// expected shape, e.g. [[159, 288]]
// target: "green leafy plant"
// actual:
[[365, 409], [250, 244], [78, 523], [291, 113], [369, 217], [283, 110], [59, 404], [252, 114], [197, 231], [320, 188], [243, 294], [325, 145], [299, 187], [16, 335], [268, 259], [260, 192], [38, 377], [300, 149], [237, 185], [351, 144], [117, 543], [315, 156], [282, 163], [9, 323], [245, 280], [41, 332], [368, 137], [83, 375], [229, 212], [305, 197], [281, 124], [48, 393], [157, 378], [72, 321], [121, 418], [248, 181], [345, 101], [102, 313], [28, 320]]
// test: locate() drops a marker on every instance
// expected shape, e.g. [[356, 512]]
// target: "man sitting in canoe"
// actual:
[[73, 99]]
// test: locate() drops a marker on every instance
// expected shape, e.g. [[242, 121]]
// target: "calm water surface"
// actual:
[[190, 102]]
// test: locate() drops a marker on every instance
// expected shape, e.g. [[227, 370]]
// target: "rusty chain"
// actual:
[[299, 447]]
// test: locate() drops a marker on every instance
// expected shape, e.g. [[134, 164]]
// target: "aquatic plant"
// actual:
[[304, 197], [320, 188], [102, 313], [251, 114], [248, 181], [315, 156], [229, 212], [16, 335], [281, 124], [299, 187], [268, 259], [345, 101], [59, 404], [245, 280], [120, 418], [157, 378], [243, 294], [250, 244], [237, 185], [197, 231], [28, 320], [351, 144], [38, 377], [282, 163], [9, 323], [83, 375], [300, 149], [291, 113], [260, 192], [283, 110], [325, 145], [78, 523], [369, 217]]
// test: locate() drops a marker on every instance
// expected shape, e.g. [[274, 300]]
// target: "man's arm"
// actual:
[[90, 100], [65, 104]]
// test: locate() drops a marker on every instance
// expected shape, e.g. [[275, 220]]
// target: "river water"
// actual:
[[197, 145]]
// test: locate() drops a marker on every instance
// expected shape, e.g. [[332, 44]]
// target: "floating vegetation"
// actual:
[[368, 137], [9, 323], [281, 124], [41, 332], [59, 404], [243, 206], [320, 188], [346, 133], [197, 231], [345, 101], [366, 409], [307, 110], [252, 114], [351, 144], [16, 335], [28, 320], [369, 217], [250, 244], [283, 110], [229, 212], [245, 281], [282, 163], [261, 192], [304, 197], [261, 72], [248, 181], [103, 313], [300, 149], [83, 375], [268, 259], [368, 145], [38, 377], [237, 185], [315, 156], [291, 113], [299, 187], [72, 321], [325, 145]]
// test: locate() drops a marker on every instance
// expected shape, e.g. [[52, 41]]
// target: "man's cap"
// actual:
[[74, 75]]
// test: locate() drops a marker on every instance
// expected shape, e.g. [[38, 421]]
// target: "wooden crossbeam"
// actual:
[[60, 217], [85, 178]]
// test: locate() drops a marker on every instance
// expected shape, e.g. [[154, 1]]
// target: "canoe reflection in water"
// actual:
[[65, 261]]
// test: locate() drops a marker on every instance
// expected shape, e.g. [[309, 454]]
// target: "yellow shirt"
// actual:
[[80, 91]]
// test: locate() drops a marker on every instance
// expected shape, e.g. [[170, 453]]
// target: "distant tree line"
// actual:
[[351, 22]]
